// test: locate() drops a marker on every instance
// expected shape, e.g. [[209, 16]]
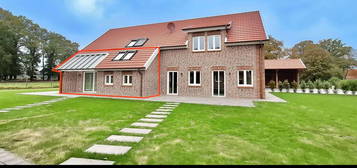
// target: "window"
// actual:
[[140, 42], [198, 43], [132, 43], [137, 42], [194, 78], [245, 78], [214, 42], [108, 79], [127, 80], [124, 56]]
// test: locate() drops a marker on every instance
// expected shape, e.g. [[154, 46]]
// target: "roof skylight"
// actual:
[[124, 56], [137, 42]]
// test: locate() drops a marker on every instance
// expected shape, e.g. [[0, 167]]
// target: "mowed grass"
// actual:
[[29, 85], [12, 98], [51, 133], [309, 129]]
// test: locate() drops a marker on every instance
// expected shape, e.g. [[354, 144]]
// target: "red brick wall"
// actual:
[[229, 59]]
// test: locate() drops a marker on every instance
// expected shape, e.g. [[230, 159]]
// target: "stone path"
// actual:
[[8, 158], [5, 110], [136, 132], [81, 161]]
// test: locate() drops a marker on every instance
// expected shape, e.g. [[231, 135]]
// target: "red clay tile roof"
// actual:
[[351, 74], [284, 64], [244, 27], [138, 60]]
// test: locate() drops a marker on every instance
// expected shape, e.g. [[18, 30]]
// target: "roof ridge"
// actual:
[[257, 11]]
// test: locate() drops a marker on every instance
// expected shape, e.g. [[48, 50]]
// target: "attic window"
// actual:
[[124, 56], [137, 42]]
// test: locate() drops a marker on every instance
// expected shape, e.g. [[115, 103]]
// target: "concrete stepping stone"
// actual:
[[164, 110], [123, 138], [8, 158], [108, 149], [167, 107], [151, 120], [156, 116], [82, 161], [141, 124], [135, 130], [172, 103], [159, 112]]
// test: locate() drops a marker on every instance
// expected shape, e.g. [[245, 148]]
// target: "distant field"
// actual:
[[28, 85]]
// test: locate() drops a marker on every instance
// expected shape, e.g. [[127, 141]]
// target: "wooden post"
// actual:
[[276, 78], [298, 76]]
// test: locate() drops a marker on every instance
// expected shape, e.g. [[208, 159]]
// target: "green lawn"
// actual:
[[29, 85], [309, 129], [11, 98]]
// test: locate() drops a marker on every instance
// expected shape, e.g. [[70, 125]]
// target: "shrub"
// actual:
[[303, 85], [310, 85], [280, 85], [272, 84], [318, 84], [294, 85], [286, 84], [326, 85], [335, 82], [349, 85], [345, 85], [353, 85]]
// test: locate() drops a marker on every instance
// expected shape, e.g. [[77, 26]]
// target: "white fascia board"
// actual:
[[151, 59]]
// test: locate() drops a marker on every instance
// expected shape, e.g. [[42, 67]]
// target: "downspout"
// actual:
[[141, 83]]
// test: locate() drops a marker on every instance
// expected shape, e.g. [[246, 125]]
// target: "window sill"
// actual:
[[127, 85], [194, 86], [245, 86], [198, 51], [216, 50]]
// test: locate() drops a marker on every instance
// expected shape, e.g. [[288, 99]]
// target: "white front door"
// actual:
[[172, 83]]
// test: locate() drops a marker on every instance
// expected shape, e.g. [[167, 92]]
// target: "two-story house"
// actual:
[[219, 56]]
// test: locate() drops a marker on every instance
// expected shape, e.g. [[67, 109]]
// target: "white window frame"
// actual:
[[194, 78], [94, 80], [199, 43], [245, 78], [224, 83], [132, 43], [127, 84], [111, 78], [214, 43]]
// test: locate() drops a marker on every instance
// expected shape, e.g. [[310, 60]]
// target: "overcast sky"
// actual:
[[83, 21]]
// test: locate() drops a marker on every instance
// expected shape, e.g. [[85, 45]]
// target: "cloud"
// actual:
[[88, 8]]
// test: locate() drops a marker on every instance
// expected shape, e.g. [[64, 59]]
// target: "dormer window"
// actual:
[[124, 56], [137, 42], [214, 42], [198, 43]]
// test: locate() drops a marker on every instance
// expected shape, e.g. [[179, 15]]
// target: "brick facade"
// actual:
[[229, 59]]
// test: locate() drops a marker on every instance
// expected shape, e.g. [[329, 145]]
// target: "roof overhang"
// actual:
[[207, 28], [245, 43]]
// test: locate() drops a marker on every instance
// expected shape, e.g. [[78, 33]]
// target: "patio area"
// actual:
[[222, 101]]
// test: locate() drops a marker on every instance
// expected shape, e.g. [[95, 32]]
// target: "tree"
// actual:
[[56, 49], [342, 54], [299, 49], [316, 59], [31, 45], [273, 48], [12, 25], [24, 43]]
